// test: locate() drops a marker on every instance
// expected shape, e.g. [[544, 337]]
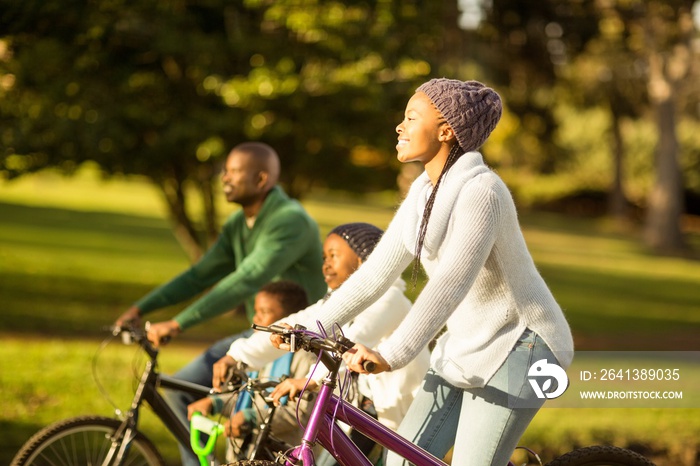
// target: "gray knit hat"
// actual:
[[361, 237], [469, 107]]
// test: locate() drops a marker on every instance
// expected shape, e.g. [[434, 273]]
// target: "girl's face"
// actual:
[[424, 136], [268, 309], [339, 261], [420, 130]]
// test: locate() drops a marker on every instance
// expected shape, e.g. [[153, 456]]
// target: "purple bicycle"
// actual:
[[329, 409]]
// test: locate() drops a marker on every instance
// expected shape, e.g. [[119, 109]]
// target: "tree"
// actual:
[[642, 48], [667, 28], [165, 88], [533, 43], [606, 73]]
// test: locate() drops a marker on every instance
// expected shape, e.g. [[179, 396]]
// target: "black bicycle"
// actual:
[[107, 441]]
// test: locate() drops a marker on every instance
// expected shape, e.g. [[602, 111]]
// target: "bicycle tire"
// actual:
[[601, 455], [82, 440]]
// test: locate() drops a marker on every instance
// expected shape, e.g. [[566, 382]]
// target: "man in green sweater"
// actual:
[[270, 238]]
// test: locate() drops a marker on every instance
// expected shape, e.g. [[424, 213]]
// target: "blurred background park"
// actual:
[[115, 117]]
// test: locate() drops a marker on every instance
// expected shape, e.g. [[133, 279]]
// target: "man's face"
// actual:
[[241, 179]]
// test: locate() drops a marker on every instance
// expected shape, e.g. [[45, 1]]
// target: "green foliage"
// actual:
[[141, 88], [165, 88]]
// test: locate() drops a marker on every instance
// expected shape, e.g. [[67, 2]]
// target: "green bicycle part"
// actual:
[[201, 424]]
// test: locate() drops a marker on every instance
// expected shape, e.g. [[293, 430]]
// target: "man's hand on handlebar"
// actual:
[[130, 316], [356, 360], [162, 332]]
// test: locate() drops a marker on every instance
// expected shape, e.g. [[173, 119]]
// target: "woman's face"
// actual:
[[420, 131], [339, 261]]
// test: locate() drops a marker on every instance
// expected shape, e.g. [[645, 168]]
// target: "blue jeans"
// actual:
[[198, 371], [482, 420]]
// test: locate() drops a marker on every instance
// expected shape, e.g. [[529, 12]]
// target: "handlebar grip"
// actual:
[[369, 366], [272, 328]]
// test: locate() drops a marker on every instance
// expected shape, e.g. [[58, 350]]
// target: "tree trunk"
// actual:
[[205, 180], [617, 201], [668, 60], [183, 228], [665, 206]]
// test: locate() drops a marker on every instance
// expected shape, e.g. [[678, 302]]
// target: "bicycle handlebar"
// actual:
[[129, 333], [301, 338]]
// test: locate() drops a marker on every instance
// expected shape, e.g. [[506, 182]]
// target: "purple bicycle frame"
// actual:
[[322, 427]]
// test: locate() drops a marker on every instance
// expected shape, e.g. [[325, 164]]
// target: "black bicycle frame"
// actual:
[[147, 391]]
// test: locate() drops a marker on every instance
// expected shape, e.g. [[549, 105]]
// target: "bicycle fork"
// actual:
[[122, 437]]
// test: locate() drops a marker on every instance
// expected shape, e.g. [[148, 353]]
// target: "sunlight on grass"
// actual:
[[46, 390], [85, 190]]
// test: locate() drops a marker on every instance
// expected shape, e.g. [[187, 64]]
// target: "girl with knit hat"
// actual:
[[459, 222]]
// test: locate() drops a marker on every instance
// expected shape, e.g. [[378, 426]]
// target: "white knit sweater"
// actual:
[[482, 284]]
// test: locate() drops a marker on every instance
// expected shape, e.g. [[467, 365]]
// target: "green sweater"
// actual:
[[284, 244]]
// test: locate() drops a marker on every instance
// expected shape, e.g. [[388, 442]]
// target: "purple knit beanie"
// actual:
[[361, 237], [471, 109]]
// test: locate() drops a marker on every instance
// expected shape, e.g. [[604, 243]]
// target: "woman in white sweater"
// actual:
[[460, 222]]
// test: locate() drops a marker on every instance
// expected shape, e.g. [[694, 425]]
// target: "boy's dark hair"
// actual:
[[291, 296]]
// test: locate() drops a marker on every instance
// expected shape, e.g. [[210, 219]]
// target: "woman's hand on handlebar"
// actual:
[[220, 371], [291, 387], [358, 357]]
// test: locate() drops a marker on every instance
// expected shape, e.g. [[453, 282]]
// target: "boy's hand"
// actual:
[[278, 340], [203, 406], [291, 387], [220, 371], [237, 426]]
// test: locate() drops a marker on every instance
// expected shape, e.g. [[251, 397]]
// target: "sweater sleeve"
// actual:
[[475, 223], [216, 263], [285, 239], [371, 280], [257, 350], [390, 309]]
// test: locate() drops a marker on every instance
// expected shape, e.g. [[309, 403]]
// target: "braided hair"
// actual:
[[455, 153]]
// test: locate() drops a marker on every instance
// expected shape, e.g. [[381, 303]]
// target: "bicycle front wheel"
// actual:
[[80, 441], [601, 456]]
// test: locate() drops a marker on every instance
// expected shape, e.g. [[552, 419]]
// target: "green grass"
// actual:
[[75, 253], [48, 379]]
